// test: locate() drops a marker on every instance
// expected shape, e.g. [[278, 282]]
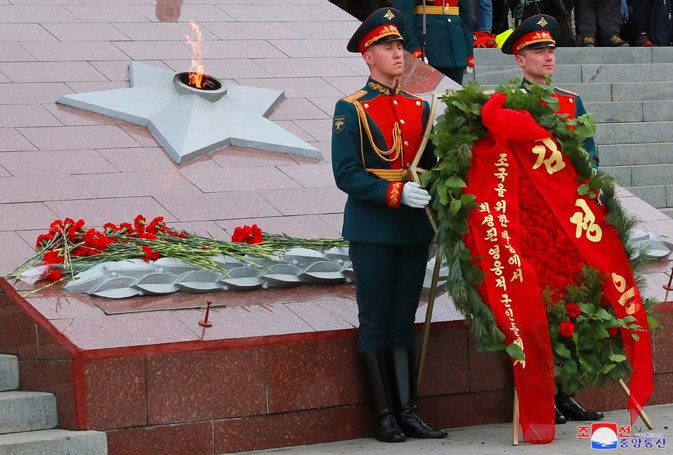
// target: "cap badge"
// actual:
[[389, 15], [542, 22]]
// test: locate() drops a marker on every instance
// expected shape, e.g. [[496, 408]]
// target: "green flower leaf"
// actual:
[[603, 315], [455, 206], [570, 366], [617, 358], [455, 182], [562, 351], [515, 352], [607, 368], [583, 189], [601, 333], [468, 199]]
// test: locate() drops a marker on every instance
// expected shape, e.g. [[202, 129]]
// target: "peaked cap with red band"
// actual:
[[381, 26], [535, 32]]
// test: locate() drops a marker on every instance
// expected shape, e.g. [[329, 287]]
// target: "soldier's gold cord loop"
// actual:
[[396, 148]]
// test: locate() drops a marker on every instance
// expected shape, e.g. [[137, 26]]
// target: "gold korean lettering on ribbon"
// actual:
[[627, 298], [554, 162], [585, 221]]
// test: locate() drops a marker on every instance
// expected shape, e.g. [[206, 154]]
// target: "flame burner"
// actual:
[[212, 89]]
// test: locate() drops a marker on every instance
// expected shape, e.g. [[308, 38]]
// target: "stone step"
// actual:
[[640, 91], [656, 196], [634, 133], [54, 442], [667, 211], [635, 154], [27, 411], [651, 72], [642, 175], [496, 75], [631, 111], [579, 55], [9, 372], [586, 73]]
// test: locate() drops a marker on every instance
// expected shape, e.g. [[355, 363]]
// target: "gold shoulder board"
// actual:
[[355, 96], [566, 91]]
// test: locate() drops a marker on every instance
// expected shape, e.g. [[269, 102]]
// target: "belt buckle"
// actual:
[[445, 9]]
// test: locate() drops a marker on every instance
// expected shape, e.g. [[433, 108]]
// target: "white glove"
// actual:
[[414, 196]]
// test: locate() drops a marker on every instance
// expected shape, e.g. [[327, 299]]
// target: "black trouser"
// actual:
[[598, 18], [389, 281], [556, 9], [453, 73]]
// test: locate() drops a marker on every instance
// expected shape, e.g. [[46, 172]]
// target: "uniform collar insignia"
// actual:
[[382, 89]]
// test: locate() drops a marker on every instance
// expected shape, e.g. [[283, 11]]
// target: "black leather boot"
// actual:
[[376, 374], [406, 399], [572, 410], [559, 417]]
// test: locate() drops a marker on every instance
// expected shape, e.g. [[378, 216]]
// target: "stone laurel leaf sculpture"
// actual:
[[593, 353]]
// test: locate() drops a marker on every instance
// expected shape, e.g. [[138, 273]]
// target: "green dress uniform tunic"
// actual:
[[375, 137], [449, 42]]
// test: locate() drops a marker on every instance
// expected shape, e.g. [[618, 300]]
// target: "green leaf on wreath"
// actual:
[[455, 182], [586, 367], [515, 352], [609, 367], [468, 199], [583, 189], [427, 177], [601, 333], [570, 366], [562, 351], [461, 105], [455, 206], [604, 315], [617, 358], [442, 192], [635, 337]]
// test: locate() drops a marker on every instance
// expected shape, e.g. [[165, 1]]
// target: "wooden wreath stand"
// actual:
[[415, 175]]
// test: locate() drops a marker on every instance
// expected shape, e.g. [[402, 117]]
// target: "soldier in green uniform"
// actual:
[[533, 44], [376, 135], [441, 32]]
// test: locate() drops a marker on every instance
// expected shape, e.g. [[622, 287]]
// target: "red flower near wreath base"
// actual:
[[613, 331], [247, 234], [566, 329], [52, 257], [53, 275], [573, 310]]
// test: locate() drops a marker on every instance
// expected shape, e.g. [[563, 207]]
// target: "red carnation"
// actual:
[[139, 221], [150, 254], [44, 238], [52, 257], [566, 329], [613, 332], [573, 309], [241, 234], [248, 234], [53, 275]]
